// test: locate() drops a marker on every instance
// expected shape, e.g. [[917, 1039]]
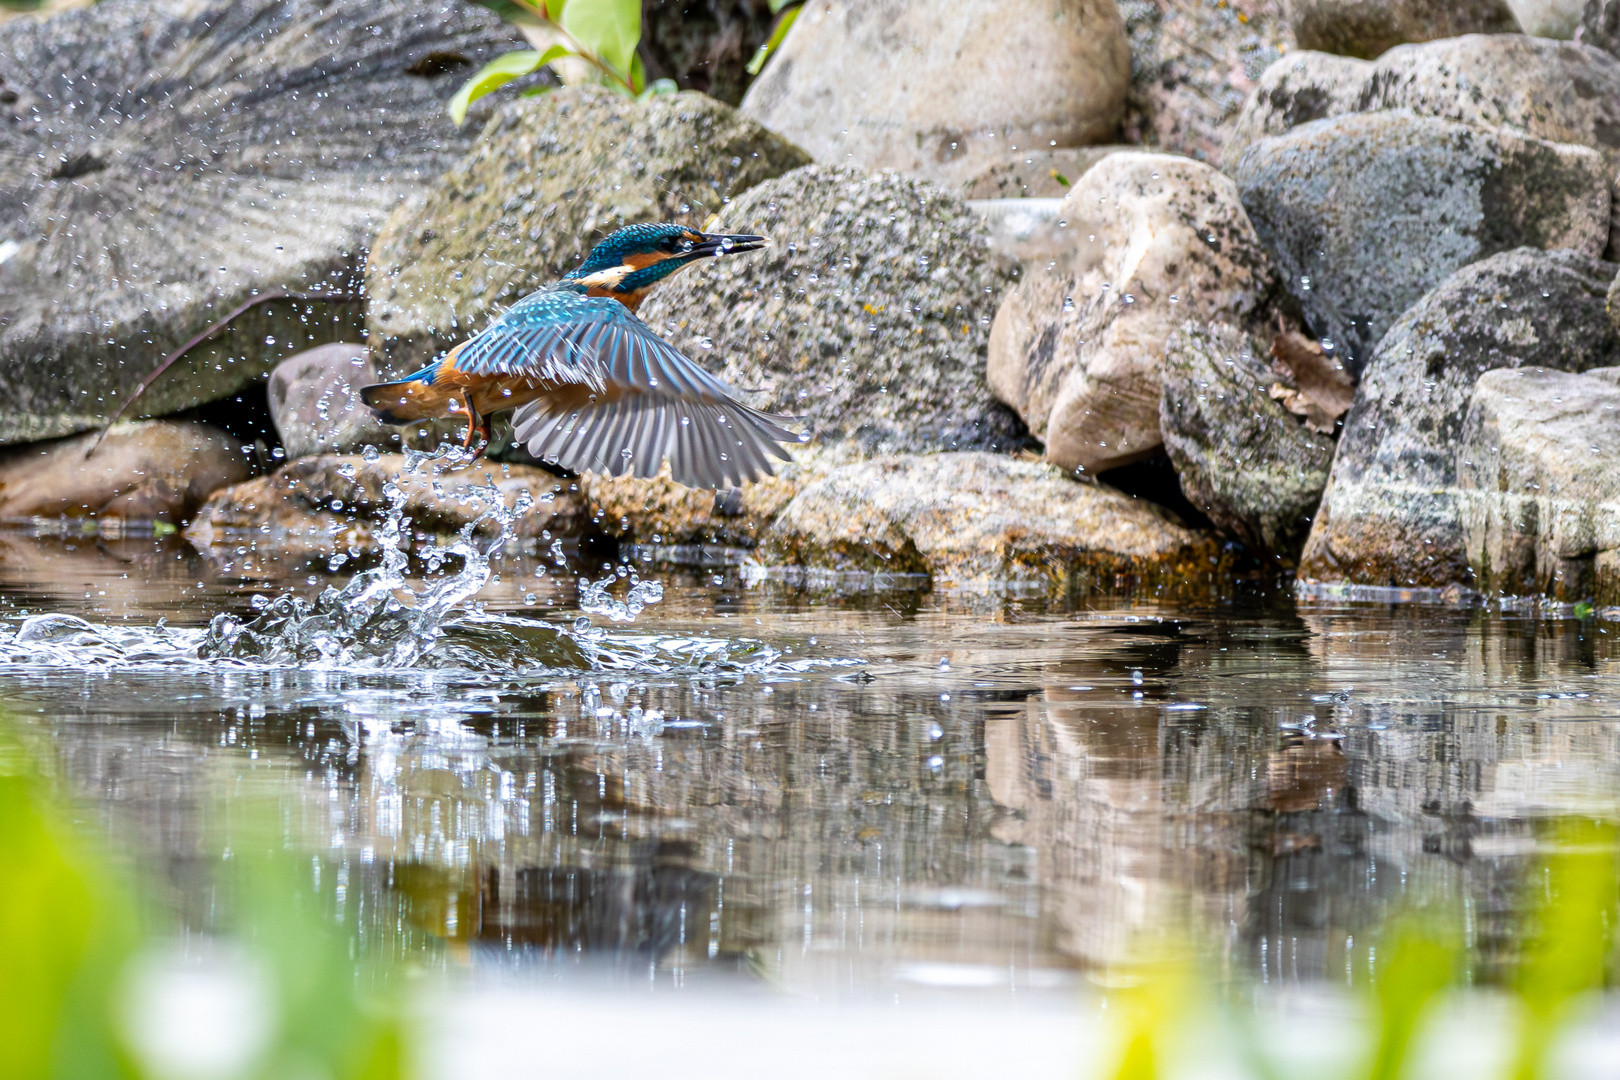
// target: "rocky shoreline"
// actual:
[[1359, 303]]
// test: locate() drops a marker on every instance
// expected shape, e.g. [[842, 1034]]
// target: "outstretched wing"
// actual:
[[646, 401]]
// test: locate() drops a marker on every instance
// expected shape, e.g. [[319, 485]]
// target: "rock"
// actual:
[[868, 316], [1390, 513], [161, 163], [976, 520], [1077, 346], [941, 88], [1193, 64], [1254, 469], [320, 506], [1549, 18], [674, 523], [704, 46], [1036, 174], [1368, 28], [1538, 465], [154, 471], [1553, 90], [1600, 25], [549, 175], [1367, 212], [315, 402]]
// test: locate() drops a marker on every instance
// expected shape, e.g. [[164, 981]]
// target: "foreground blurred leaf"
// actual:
[[608, 28], [1568, 954], [1421, 954], [497, 73]]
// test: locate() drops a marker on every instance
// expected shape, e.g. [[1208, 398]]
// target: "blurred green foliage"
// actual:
[[71, 925]]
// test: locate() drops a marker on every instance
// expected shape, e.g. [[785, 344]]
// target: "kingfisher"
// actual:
[[594, 388]]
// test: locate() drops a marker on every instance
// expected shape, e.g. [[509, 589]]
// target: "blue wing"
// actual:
[[653, 402]]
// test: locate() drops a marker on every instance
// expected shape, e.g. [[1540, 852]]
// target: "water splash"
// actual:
[[595, 599], [377, 619]]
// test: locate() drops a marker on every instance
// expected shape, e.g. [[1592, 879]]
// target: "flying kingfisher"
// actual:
[[594, 387]]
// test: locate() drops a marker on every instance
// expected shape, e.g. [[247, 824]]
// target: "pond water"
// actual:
[[840, 796]]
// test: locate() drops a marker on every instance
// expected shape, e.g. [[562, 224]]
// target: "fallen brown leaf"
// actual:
[[1316, 374], [1317, 418]]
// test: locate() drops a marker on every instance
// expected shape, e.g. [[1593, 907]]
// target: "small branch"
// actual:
[[168, 361]]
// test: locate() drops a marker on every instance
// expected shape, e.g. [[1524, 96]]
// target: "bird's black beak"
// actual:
[[728, 244]]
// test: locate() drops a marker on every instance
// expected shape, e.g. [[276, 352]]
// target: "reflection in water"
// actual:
[[995, 795]]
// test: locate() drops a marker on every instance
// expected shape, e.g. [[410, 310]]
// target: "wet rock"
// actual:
[[1538, 466], [674, 523], [868, 316], [153, 471], [1365, 213], [1368, 28], [315, 402], [1077, 346], [548, 177], [975, 520], [204, 153], [1193, 64], [1253, 468], [1390, 513], [1554, 90], [704, 44], [320, 506], [1037, 174], [941, 88]]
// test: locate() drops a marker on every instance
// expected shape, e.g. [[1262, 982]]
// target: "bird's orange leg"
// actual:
[[476, 425]]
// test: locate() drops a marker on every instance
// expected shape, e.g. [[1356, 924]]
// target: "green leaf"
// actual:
[[783, 25], [608, 28], [776, 6], [497, 73]]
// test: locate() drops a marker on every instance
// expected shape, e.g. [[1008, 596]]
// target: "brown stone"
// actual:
[[974, 520], [151, 471], [1368, 28]]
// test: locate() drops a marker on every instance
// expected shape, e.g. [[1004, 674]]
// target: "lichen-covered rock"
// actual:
[[679, 523], [1538, 466], [162, 162], [1390, 513], [549, 176], [940, 88], [315, 402], [1368, 28], [1243, 459], [975, 520], [1076, 348], [153, 471], [1367, 212], [868, 315], [321, 506], [1193, 63], [1555, 90]]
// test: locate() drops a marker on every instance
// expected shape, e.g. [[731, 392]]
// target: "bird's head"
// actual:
[[630, 261]]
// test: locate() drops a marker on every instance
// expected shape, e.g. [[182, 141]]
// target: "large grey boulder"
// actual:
[[1390, 514], [315, 402], [1077, 346], [1193, 63], [161, 163], [975, 520], [549, 177], [1252, 467], [1538, 466], [159, 470], [868, 315], [1368, 28], [941, 87], [1367, 212], [1556, 90]]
